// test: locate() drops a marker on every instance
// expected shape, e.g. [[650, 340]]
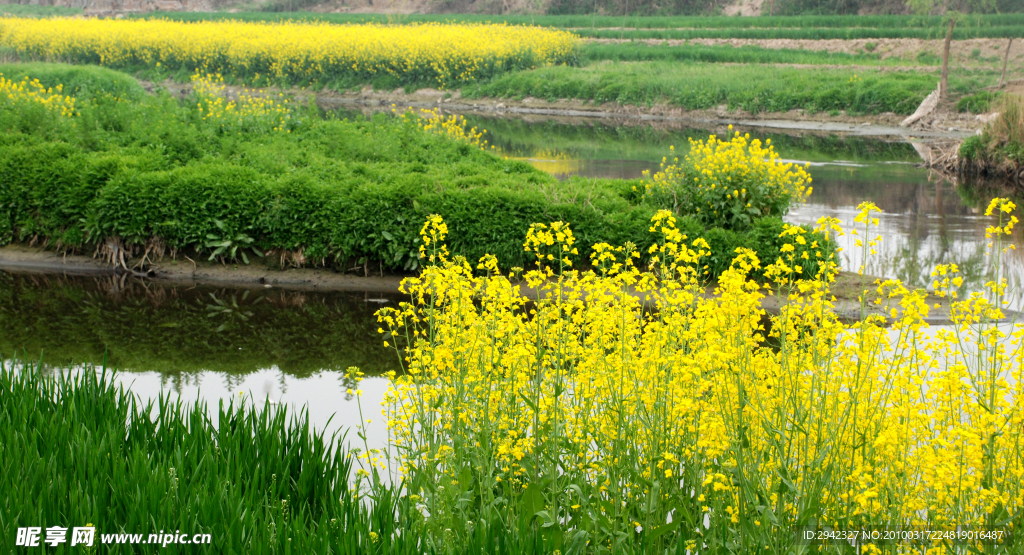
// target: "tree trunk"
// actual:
[[944, 82], [1002, 78]]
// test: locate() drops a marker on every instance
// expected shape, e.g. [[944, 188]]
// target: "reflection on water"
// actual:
[[926, 221], [181, 330], [207, 343]]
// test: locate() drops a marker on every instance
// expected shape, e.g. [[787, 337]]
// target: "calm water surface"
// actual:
[[210, 343], [292, 348], [926, 220]]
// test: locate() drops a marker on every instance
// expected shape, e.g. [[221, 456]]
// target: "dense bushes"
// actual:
[[154, 172]]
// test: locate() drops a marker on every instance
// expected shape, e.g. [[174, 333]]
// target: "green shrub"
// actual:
[[977, 103]]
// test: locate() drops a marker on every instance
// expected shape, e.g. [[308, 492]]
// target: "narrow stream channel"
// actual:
[[268, 345]]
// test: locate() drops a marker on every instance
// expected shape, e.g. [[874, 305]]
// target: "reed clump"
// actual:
[[999, 150], [1007, 131]]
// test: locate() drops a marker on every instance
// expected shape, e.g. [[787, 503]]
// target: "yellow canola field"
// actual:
[[440, 54]]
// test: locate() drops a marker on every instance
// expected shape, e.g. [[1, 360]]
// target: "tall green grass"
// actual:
[[755, 88], [77, 450]]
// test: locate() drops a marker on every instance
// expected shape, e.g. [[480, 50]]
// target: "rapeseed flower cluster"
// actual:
[[443, 55], [453, 126], [22, 94], [248, 112], [624, 411], [728, 183]]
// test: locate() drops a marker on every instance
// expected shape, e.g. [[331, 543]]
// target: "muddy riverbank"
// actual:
[[185, 271]]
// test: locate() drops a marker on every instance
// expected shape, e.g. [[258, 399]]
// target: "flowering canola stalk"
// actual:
[[695, 424]]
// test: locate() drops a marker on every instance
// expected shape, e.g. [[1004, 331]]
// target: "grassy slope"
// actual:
[[755, 88]]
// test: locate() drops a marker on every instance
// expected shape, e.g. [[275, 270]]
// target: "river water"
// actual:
[[292, 348]]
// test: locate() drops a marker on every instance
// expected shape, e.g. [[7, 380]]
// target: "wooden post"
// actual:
[[1002, 78], [943, 83]]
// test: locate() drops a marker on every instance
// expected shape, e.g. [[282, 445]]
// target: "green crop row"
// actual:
[[634, 52], [637, 22], [755, 88], [820, 33], [342, 192]]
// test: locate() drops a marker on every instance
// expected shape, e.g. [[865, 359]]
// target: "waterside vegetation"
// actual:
[[694, 427], [130, 173], [79, 451], [999, 150], [574, 426]]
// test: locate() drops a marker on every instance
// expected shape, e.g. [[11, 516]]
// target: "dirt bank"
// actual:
[[951, 126], [185, 270], [22, 259]]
